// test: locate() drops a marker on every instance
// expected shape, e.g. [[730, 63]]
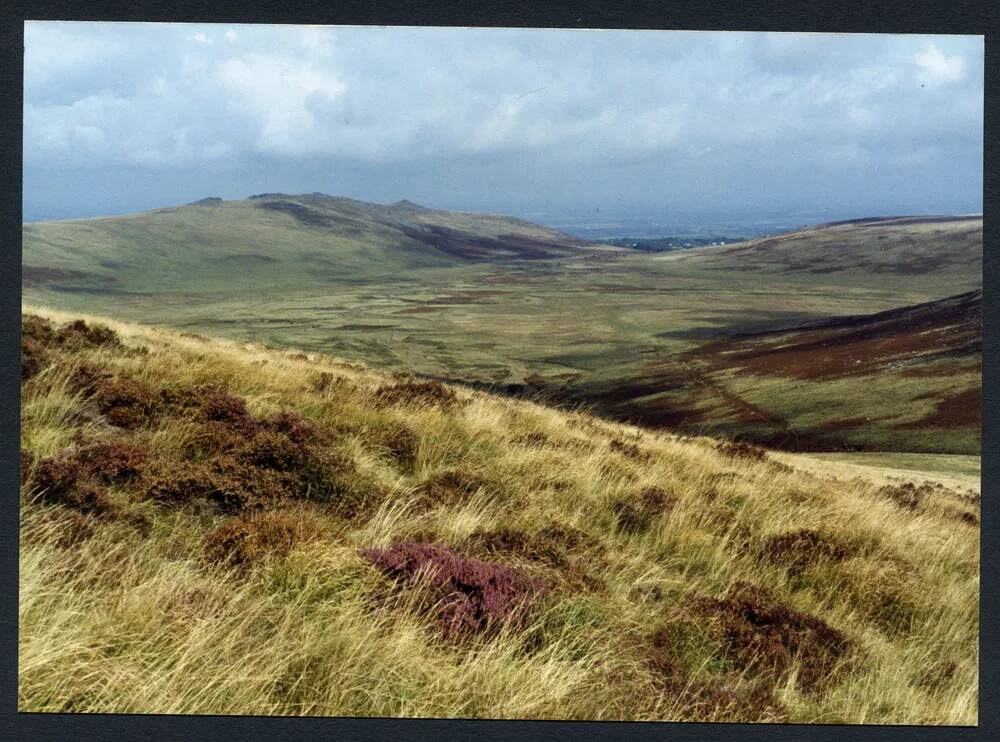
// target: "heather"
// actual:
[[219, 527]]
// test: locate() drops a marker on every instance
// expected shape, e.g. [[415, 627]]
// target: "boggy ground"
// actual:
[[214, 527]]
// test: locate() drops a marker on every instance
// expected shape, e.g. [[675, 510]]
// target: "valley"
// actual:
[[701, 340]]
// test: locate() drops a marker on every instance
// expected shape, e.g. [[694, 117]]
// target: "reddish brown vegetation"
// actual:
[[27, 464], [636, 516], [742, 450], [907, 495], [629, 450], [555, 547], [229, 410], [113, 462], [415, 392], [79, 478], [39, 337], [399, 442], [469, 596], [62, 480], [768, 637], [533, 439], [857, 346], [937, 675], [798, 549], [125, 402], [960, 410], [246, 539], [450, 487], [708, 700]]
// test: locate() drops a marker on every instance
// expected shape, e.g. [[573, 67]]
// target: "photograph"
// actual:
[[467, 372]]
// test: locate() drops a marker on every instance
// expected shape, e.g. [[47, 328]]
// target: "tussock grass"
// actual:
[[143, 610]]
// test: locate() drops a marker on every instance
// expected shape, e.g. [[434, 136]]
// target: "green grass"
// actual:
[[577, 327]]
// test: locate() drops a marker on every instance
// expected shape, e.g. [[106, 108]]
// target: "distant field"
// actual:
[[497, 302]]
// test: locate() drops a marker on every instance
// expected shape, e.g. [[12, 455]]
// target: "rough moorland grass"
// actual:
[[678, 578]]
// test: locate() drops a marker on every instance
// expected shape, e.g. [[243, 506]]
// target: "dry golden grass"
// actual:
[[130, 612]]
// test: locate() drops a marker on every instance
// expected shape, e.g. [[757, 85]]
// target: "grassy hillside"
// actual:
[[495, 301], [275, 241], [214, 527], [907, 379]]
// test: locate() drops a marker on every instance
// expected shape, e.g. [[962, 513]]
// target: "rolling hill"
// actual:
[[214, 527], [906, 379], [499, 303], [273, 239], [881, 246]]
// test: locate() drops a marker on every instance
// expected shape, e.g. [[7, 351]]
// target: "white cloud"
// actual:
[[377, 95], [278, 93], [936, 67]]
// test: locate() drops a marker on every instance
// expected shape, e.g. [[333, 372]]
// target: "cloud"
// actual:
[[591, 103], [936, 67]]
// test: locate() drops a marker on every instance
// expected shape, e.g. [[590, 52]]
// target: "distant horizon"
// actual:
[[551, 125], [602, 224]]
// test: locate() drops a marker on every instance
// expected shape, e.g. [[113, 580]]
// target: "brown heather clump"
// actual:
[[78, 478], [27, 464], [415, 393], [228, 483], [450, 487], [126, 403], [535, 439], [78, 334], [115, 462], [766, 636], [291, 424], [562, 550], [249, 538], [33, 358], [62, 480], [741, 450], [906, 495], [37, 329], [40, 338], [399, 442], [637, 515], [628, 450], [229, 410], [238, 463], [796, 550], [470, 596], [708, 700]]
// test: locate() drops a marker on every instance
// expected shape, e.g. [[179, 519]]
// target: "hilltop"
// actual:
[[271, 239], [497, 302], [210, 526]]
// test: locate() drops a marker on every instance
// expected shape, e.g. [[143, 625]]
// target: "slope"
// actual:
[[214, 527], [272, 240], [582, 323], [907, 379]]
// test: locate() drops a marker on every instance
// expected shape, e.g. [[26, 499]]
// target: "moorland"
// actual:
[[782, 340], [212, 526]]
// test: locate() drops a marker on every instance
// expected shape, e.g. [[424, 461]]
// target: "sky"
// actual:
[[554, 125]]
